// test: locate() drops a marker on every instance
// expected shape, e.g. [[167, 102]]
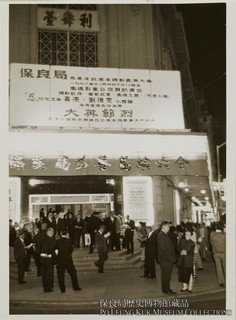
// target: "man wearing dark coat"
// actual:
[[20, 255], [101, 246], [94, 222], [64, 261], [47, 257], [28, 239], [150, 254], [166, 257], [111, 227], [129, 235], [12, 239]]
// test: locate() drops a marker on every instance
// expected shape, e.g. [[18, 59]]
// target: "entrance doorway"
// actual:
[[87, 203]]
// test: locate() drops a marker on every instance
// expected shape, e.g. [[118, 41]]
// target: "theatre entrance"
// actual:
[[85, 203], [80, 193]]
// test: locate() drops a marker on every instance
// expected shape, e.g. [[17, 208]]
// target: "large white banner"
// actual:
[[104, 98], [138, 199]]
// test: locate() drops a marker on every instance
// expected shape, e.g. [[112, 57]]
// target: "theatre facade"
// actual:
[[100, 133]]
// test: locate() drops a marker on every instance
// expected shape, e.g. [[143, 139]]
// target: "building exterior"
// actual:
[[153, 170]]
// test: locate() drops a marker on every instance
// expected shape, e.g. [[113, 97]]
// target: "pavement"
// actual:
[[113, 284]]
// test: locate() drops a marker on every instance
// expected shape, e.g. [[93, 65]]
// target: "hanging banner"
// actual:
[[65, 19], [138, 199], [98, 98]]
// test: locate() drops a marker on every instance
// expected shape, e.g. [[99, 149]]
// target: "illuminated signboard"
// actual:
[[98, 98], [64, 19]]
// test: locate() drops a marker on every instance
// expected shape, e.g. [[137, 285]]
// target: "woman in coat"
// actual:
[[186, 249]]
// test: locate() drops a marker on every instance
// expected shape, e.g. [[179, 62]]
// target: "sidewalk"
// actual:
[[112, 284]]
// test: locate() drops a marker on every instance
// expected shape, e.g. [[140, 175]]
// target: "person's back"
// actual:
[[65, 249], [218, 241]]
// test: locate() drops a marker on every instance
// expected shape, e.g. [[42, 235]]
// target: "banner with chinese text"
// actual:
[[99, 98]]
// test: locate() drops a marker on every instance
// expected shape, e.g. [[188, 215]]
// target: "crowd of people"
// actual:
[[184, 246], [50, 240]]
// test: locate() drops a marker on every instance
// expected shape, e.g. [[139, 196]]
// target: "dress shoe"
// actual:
[[199, 269], [63, 291], [172, 292], [22, 282], [50, 290], [143, 276], [152, 277], [100, 271], [184, 290], [222, 285], [189, 291], [78, 289]]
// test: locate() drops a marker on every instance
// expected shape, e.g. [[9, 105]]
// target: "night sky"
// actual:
[[205, 28]]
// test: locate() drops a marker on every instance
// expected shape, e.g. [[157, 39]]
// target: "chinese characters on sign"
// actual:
[[64, 19], [57, 96]]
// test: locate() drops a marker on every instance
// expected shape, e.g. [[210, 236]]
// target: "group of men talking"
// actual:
[[48, 251]]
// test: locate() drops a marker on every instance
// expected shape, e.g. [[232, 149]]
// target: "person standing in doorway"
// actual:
[[64, 261], [166, 257], [102, 250]]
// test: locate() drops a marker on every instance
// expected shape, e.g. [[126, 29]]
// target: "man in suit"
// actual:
[[28, 239], [47, 257], [101, 246], [12, 239], [64, 249], [111, 225], [94, 222], [129, 235], [20, 255], [218, 241], [150, 254], [166, 257]]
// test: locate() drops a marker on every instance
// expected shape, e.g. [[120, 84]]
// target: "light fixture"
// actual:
[[206, 198], [33, 182], [110, 181], [181, 184], [186, 189], [203, 191]]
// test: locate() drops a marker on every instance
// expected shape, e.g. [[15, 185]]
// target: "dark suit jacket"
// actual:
[[151, 244], [111, 225], [94, 223], [60, 225], [65, 249], [165, 249], [100, 242], [19, 250]]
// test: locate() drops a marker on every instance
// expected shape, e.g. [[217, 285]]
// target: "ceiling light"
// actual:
[[206, 198], [186, 189], [203, 191], [33, 182], [181, 184]]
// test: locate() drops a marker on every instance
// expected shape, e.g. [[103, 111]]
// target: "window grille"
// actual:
[[67, 48]]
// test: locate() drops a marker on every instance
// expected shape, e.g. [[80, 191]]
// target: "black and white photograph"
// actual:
[[118, 159]]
